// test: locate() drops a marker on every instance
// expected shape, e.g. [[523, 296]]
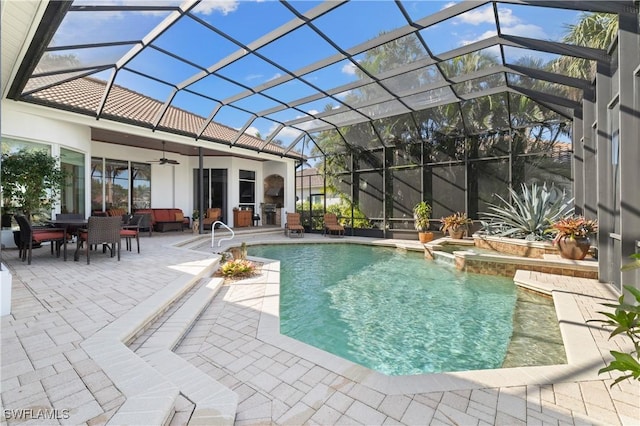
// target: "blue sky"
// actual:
[[246, 21]]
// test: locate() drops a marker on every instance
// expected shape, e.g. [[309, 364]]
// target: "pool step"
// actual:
[[150, 396], [214, 402]]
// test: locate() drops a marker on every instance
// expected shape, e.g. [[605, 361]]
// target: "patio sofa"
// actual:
[[163, 220]]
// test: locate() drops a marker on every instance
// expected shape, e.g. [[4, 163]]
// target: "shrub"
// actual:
[[530, 214], [343, 212], [573, 227], [626, 321], [237, 268], [422, 214], [455, 221]]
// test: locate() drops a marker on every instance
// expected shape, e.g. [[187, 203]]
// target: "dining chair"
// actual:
[[131, 230], [30, 235], [100, 230]]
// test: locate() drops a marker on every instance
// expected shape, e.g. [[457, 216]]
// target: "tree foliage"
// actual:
[[625, 321], [31, 180], [495, 125]]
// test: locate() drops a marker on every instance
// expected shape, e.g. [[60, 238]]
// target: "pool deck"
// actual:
[[94, 343]]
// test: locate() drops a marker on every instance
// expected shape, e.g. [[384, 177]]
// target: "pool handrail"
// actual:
[[213, 232]]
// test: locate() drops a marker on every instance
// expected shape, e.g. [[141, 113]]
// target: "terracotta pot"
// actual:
[[573, 248], [425, 237]]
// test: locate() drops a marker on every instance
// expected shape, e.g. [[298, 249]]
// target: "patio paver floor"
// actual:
[[57, 305]]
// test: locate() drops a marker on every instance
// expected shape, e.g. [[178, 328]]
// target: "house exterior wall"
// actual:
[[171, 185], [34, 125]]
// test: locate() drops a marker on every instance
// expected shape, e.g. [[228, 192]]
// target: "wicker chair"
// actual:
[[132, 230], [211, 216], [30, 235], [293, 225], [100, 230], [331, 225]]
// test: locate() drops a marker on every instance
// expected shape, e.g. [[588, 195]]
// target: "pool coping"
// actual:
[[583, 357]]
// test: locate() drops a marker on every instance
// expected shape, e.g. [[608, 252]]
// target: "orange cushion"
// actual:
[[179, 217], [164, 215], [128, 233], [45, 236], [116, 212]]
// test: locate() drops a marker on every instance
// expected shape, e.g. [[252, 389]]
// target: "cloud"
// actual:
[[451, 3], [506, 17], [275, 76], [286, 135], [527, 30], [207, 7], [342, 95], [349, 69], [484, 15], [253, 77], [482, 36], [253, 131], [509, 23]]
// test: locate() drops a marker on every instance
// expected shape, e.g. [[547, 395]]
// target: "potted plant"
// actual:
[[456, 224], [31, 181], [422, 214], [195, 217], [572, 236]]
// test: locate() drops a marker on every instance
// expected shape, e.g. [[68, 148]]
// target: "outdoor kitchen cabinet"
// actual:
[[241, 218]]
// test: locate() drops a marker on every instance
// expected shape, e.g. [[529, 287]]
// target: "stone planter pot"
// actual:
[[456, 233], [573, 248], [195, 226]]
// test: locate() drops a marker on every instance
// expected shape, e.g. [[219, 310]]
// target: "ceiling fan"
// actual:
[[164, 160]]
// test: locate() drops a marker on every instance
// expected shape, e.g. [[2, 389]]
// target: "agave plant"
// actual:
[[529, 215]]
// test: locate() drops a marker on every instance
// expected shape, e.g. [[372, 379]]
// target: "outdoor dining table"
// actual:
[[66, 223]]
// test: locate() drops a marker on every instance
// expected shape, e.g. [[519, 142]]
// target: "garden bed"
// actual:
[[505, 264], [515, 247]]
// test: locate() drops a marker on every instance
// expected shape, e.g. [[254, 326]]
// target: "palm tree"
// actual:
[[595, 30]]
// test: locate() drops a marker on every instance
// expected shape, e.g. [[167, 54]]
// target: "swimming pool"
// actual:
[[391, 311]]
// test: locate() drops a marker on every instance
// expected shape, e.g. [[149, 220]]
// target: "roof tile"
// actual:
[[85, 94]]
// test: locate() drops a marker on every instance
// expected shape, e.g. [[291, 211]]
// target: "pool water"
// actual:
[[392, 311]]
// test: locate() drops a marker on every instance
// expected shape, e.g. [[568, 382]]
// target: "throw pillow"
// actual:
[[179, 217]]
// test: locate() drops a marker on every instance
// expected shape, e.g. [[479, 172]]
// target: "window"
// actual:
[[97, 187], [614, 155], [11, 146], [72, 195], [14, 145], [140, 186], [247, 189], [118, 184]]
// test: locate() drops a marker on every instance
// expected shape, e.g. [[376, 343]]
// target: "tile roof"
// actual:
[[83, 95]]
